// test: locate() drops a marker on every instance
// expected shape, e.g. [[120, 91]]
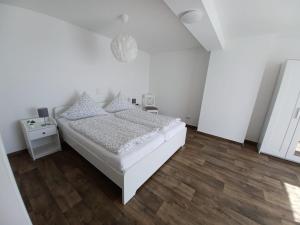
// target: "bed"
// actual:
[[129, 170]]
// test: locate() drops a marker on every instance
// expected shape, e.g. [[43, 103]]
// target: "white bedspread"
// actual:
[[115, 134], [148, 119]]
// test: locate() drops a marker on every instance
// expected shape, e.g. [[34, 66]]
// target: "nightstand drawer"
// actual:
[[42, 133]]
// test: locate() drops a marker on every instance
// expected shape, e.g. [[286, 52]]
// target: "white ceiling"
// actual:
[[151, 22], [157, 29], [240, 18], [208, 31]]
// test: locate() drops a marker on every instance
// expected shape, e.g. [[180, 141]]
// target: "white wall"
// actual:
[[12, 208], [282, 48], [46, 62], [177, 79], [233, 80]]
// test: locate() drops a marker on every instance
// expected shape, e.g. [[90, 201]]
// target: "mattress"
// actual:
[[124, 161], [120, 162], [173, 130], [168, 132]]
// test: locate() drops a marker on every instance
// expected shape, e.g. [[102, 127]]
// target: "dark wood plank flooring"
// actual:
[[209, 181]]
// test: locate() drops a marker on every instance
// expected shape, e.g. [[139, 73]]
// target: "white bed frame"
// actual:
[[136, 175]]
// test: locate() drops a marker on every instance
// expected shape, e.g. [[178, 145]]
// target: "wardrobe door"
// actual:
[[290, 132], [293, 152], [280, 126]]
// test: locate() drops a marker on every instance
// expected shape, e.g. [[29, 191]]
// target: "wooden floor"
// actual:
[[209, 181]]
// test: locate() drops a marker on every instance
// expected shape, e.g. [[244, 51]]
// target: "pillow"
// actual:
[[83, 108], [119, 103]]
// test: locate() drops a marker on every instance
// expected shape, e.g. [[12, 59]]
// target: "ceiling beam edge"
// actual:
[[212, 14]]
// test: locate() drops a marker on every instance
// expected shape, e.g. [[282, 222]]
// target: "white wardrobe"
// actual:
[[281, 133]]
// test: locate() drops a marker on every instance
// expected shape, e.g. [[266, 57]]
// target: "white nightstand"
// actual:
[[41, 140]]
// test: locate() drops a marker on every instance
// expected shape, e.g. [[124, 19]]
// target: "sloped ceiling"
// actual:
[[208, 30], [240, 18], [151, 22], [157, 27]]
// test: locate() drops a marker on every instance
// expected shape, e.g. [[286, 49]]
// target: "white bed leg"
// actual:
[[127, 195]]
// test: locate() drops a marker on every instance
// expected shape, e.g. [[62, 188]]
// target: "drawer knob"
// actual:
[[44, 132]]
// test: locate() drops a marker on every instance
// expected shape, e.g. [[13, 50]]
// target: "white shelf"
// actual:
[[45, 150]]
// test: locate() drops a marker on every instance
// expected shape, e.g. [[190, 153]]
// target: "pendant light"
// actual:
[[124, 46]]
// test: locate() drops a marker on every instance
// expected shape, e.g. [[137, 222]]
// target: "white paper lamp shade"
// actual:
[[124, 48]]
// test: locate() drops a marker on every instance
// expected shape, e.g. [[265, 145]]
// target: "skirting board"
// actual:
[[246, 142]]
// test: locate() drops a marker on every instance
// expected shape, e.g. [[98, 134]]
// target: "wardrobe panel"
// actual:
[[282, 111], [293, 152]]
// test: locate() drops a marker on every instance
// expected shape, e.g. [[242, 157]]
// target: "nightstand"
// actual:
[[41, 140]]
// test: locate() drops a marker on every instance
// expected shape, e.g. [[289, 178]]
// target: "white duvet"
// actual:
[[148, 119], [114, 134]]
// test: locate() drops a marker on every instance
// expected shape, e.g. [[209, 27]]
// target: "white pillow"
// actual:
[[83, 108], [119, 103]]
